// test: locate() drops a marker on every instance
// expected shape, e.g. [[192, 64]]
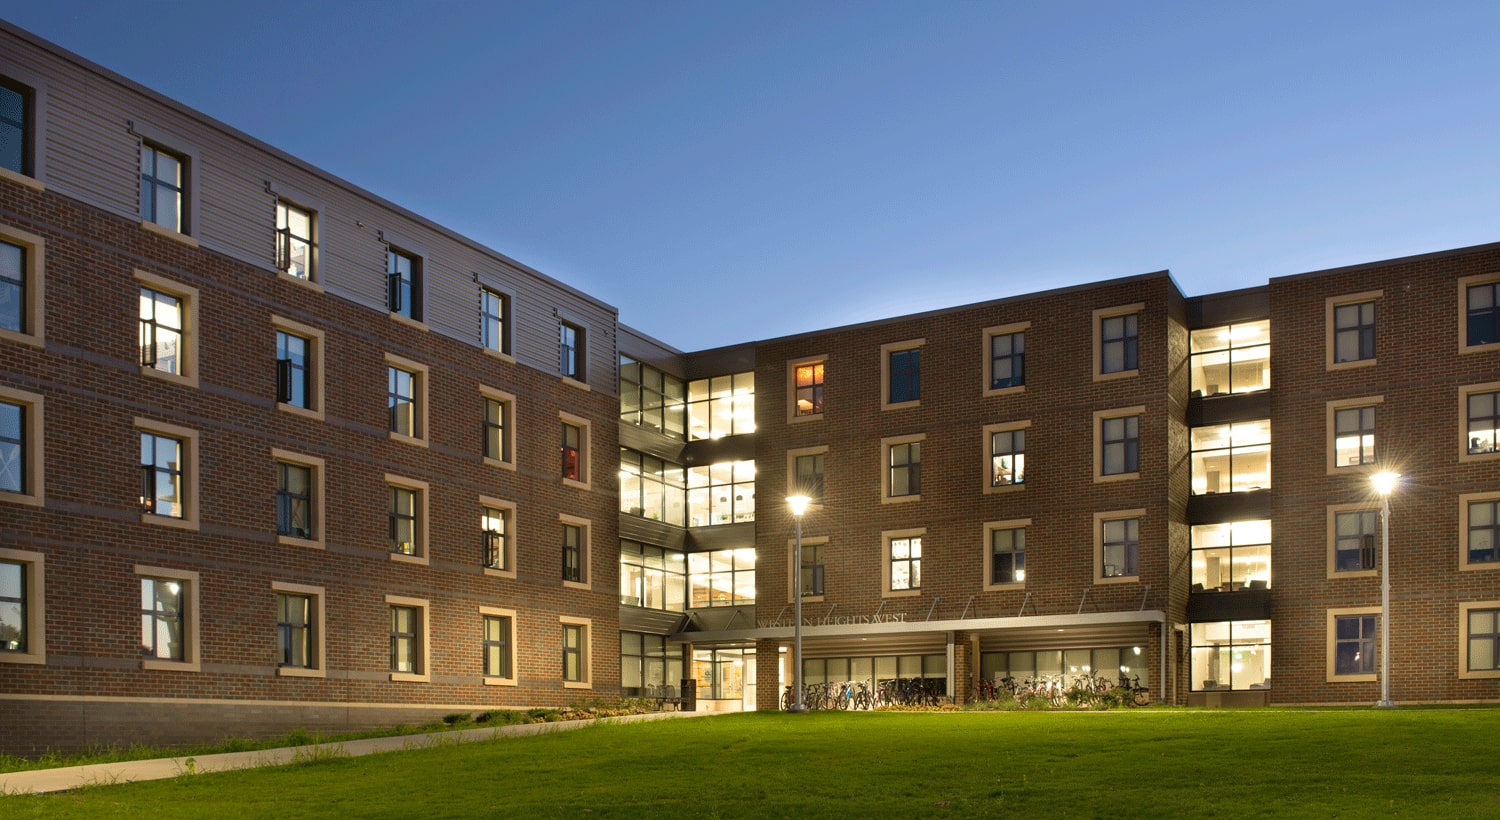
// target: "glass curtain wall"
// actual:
[[1231, 655], [652, 577], [652, 488], [722, 493], [722, 578], [649, 664], [1111, 663], [1234, 556], [1231, 359], [721, 406], [652, 399]]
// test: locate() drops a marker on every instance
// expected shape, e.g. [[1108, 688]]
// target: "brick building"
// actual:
[[275, 452]]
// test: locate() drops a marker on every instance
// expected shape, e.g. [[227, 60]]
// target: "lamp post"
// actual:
[[798, 503], [1384, 482]]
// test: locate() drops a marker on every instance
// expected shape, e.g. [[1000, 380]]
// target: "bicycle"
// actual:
[[1138, 695]]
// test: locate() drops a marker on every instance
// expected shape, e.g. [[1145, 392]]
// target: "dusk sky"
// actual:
[[726, 172]]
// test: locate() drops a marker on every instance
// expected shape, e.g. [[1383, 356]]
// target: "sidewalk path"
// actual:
[[72, 777]]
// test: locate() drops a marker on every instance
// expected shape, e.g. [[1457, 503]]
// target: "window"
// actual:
[[575, 450], [903, 468], [1232, 458], [1005, 455], [722, 493], [407, 519], [1005, 358], [901, 374], [163, 185], [168, 339], [652, 488], [1351, 433], [649, 663], [570, 351], [1116, 341], [1231, 556], [406, 400], [1479, 636], [499, 428], [23, 631], [721, 406], [721, 578], [903, 569], [498, 646], [299, 368], [1005, 557], [299, 626], [1351, 329], [16, 126], [294, 500], [1231, 359], [1354, 540], [652, 577], [1351, 644], [576, 652], [410, 628], [169, 619], [806, 382], [22, 264], [1119, 435], [814, 567], [403, 276], [1231, 655], [1479, 414], [21, 472], [497, 548], [653, 399], [576, 558], [1118, 536], [296, 247], [1110, 662], [494, 321], [1479, 313], [169, 474], [805, 472], [1479, 530]]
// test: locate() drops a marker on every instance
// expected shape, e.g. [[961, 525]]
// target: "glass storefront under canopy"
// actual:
[[1231, 359], [1231, 655], [1112, 664]]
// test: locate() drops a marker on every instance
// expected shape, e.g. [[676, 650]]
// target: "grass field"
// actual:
[[1118, 764]]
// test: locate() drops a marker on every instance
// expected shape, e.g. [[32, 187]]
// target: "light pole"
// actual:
[[798, 503], [1385, 482]]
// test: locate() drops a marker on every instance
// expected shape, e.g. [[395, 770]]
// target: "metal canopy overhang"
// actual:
[[908, 628]]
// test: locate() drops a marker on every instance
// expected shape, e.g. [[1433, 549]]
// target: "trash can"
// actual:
[[689, 694]]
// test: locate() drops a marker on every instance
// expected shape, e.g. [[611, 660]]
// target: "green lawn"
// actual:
[[1118, 764]]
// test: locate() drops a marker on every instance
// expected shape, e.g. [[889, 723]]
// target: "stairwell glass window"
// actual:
[[1231, 458], [652, 577], [652, 488], [162, 188], [653, 399], [1231, 655], [296, 248], [403, 274], [721, 493], [1231, 556], [721, 578], [1231, 359], [721, 406]]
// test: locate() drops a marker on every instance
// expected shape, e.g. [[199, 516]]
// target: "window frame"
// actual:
[[422, 659], [888, 383], [413, 280], [987, 556], [585, 650], [887, 469], [1333, 615], [507, 438], [1100, 520], [33, 287], [795, 486], [1099, 316], [989, 335], [989, 431], [33, 443], [189, 483], [1332, 409], [421, 415], [34, 92], [187, 158], [585, 449], [34, 606], [1464, 284], [421, 520], [818, 542], [319, 653], [887, 562], [486, 613], [1464, 637], [316, 353], [1100, 417], [585, 549], [577, 374], [192, 644], [1234, 450], [1336, 510], [316, 500], [1330, 329], [188, 333], [284, 237], [507, 510], [1464, 533], [1464, 394], [500, 345], [819, 388]]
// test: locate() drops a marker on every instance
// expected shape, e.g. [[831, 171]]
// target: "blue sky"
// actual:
[[724, 172]]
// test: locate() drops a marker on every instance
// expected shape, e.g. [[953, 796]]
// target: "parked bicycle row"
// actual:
[[858, 695], [1071, 690]]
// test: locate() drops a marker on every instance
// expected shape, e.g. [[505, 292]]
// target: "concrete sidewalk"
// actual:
[[72, 777]]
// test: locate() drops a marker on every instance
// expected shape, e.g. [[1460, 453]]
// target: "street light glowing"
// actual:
[[798, 504], [1385, 482]]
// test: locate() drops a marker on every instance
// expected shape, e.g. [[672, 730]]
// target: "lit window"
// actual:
[[494, 538], [1007, 554], [652, 577], [905, 563], [406, 640], [162, 329], [1231, 458], [1233, 556], [162, 188], [1231, 359], [1007, 458], [654, 400], [1354, 436], [572, 452], [494, 325], [403, 274], [570, 351], [1231, 655], [721, 406], [807, 389], [721, 493], [721, 578], [1482, 420], [652, 488], [296, 250]]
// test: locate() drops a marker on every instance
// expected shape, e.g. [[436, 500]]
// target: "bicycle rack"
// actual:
[[933, 607]]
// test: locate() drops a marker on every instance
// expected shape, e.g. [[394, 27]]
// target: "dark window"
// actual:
[[570, 351], [906, 469], [493, 308], [497, 646], [401, 401], [15, 128], [1121, 445], [404, 284], [905, 375], [808, 480], [13, 609], [1008, 556], [812, 569], [1121, 548], [572, 653], [1354, 645], [652, 399], [162, 619], [1484, 532], [1007, 458], [1483, 313], [161, 331], [13, 288], [1484, 423], [572, 553], [294, 630], [572, 452], [162, 188], [404, 524], [406, 637], [292, 369], [906, 563], [12, 448], [1007, 360], [1117, 344], [161, 468], [1352, 532], [810, 389], [295, 247], [294, 501], [1484, 640], [1353, 436], [492, 534], [495, 420], [1354, 332]]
